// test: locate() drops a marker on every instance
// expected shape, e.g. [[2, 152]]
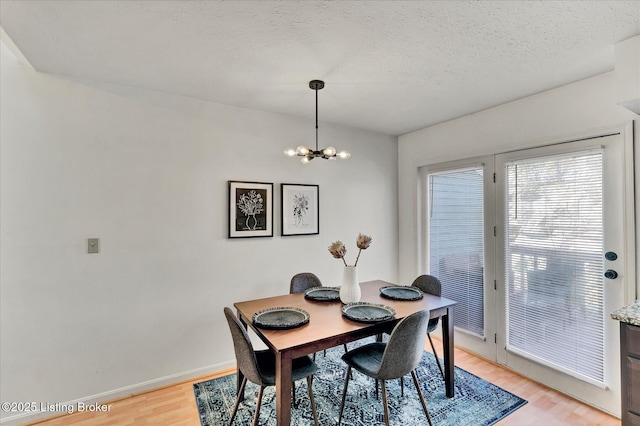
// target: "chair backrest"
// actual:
[[405, 346], [245, 355], [428, 284], [304, 281]]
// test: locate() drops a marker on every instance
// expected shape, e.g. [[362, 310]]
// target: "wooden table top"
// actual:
[[327, 327]]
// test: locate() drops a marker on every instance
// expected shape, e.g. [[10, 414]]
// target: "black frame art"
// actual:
[[250, 207], [300, 209]]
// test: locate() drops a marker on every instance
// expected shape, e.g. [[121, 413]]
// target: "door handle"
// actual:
[[610, 255], [610, 274]]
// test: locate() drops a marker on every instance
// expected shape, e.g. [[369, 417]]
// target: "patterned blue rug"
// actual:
[[476, 402]]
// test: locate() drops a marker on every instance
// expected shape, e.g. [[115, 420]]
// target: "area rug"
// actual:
[[476, 401]]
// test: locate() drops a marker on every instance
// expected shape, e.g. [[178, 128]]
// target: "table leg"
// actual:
[[283, 389], [447, 341]]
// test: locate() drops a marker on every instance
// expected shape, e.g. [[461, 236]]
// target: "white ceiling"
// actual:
[[389, 66]]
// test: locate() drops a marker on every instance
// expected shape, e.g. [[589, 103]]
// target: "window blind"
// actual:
[[554, 263], [455, 226]]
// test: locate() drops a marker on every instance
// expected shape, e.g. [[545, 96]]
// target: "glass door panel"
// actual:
[[562, 207], [458, 229]]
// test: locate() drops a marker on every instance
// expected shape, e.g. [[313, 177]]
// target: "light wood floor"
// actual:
[[175, 405]]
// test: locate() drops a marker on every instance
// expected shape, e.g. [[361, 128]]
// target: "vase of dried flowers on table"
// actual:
[[350, 290]]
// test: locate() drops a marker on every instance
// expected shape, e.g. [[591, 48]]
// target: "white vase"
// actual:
[[350, 290]]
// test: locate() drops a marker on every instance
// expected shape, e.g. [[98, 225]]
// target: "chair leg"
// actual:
[[377, 395], [313, 402], [424, 404], [384, 402], [256, 416], [293, 395], [344, 345], [436, 355], [402, 386], [238, 398], [344, 394]]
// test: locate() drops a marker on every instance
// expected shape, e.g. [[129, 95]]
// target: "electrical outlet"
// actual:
[[93, 245]]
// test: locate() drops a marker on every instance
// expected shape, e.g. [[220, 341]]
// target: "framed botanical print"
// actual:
[[250, 209], [300, 209]]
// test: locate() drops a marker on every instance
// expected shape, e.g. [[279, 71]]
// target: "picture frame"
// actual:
[[300, 209], [250, 206]]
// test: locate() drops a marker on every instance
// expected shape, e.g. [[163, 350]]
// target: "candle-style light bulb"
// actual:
[[329, 151]]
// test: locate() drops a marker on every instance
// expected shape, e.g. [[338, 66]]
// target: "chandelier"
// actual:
[[309, 154]]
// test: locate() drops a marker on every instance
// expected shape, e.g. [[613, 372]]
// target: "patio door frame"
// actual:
[[484, 346], [606, 398], [493, 346]]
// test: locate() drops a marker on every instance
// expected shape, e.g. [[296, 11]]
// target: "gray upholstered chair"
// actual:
[[391, 360], [304, 281], [259, 367], [430, 285]]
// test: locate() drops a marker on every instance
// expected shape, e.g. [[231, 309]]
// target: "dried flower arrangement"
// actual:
[[338, 249]]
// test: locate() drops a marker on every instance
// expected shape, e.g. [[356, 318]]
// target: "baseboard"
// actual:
[[112, 395]]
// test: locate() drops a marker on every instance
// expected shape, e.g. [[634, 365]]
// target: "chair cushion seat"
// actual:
[[366, 359], [300, 367]]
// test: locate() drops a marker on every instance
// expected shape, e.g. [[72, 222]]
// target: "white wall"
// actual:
[[147, 173], [549, 116]]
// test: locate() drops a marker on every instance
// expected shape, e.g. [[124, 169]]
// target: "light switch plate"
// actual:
[[93, 245]]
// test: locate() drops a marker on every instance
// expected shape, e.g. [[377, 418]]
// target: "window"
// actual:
[[455, 242]]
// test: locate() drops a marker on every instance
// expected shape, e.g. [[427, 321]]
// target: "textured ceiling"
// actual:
[[389, 66]]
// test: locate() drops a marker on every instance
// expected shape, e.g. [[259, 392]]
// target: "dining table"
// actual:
[[328, 327]]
